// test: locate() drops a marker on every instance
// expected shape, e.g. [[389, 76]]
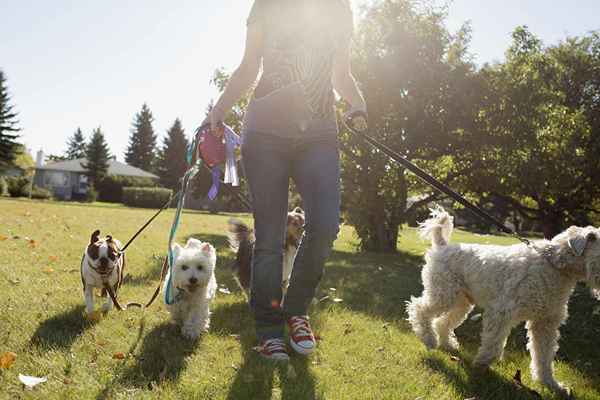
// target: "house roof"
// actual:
[[114, 168]]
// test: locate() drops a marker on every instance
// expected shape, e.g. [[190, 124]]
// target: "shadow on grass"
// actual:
[[60, 331], [162, 358]]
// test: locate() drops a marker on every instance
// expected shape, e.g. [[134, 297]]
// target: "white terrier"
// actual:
[[101, 265], [511, 283], [194, 279]]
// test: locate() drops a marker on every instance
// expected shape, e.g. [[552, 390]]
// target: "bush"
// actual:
[[110, 188], [91, 196], [41, 193], [18, 186], [145, 197], [3, 187]]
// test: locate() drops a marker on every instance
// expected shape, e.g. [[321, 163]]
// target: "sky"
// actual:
[[89, 64]]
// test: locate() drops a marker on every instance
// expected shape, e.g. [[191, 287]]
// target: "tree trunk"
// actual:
[[551, 224]]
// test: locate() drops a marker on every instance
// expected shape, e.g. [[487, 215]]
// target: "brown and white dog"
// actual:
[[241, 241], [102, 264]]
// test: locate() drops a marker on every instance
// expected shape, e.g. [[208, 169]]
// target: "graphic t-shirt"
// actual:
[[295, 90]]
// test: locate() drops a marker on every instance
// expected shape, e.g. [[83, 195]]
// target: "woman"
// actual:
[[290, 131]]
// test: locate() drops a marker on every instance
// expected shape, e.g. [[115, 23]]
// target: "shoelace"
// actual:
[[300, 326], [273, 346]]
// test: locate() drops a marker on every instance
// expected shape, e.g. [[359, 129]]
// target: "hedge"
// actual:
[[110, 188], [145, 197]]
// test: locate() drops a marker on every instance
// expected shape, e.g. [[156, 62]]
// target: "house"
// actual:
[[67, 179]]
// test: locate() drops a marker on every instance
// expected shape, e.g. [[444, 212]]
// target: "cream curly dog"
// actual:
[[511, 283]]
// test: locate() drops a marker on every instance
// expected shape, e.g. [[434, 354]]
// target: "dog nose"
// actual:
[[104, 262], [193, 281]]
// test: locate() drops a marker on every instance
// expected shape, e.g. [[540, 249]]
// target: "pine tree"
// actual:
[[98, 156], [8, 126], [141, 151], [171, 159], [76, 146]]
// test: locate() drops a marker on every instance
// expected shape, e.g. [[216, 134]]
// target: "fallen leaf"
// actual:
[[31, 381], [53, 258], [67, 381], [7, 359], [224, 290], [32, 244], [337, 300], [3, 238], [48, 270], [119, 356]]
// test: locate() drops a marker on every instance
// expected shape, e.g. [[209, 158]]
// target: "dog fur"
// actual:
[[241, 241], [101, 262], [194, 279], [511, 283]]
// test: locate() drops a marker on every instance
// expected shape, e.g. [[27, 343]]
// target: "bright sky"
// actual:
[[81, 63]]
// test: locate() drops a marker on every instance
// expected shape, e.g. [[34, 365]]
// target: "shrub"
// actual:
[[110, 188], [145, 197], [3, 186], [41, 193], [91, 195], [18, 186]]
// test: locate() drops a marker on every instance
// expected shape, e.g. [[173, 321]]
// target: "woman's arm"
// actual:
[[344, 82], [243, 77]]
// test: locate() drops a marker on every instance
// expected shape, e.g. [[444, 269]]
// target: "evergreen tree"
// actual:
[[141, 151], [98, 156], [76, 146], [8, 126], [171, 159]]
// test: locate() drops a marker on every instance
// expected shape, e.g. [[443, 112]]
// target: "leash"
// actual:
[[357, 124]]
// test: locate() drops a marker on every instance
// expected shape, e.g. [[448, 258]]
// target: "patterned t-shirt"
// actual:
[[301, 38]]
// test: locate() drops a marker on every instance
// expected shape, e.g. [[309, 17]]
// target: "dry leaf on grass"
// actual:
[[53, 258], [32, 243], [119, 355], [67, 381], [31, 381], [7, 359], [48, 270], [3, 238]]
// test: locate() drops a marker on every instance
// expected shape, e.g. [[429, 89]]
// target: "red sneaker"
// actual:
[[302, 338], [273, 349]]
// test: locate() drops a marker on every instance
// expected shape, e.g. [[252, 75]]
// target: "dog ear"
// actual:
[[578, 239], [176, 250], [109, 238], [95, 237], [207, 248], [193, 243]]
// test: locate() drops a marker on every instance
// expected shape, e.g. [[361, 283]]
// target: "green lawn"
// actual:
[[366, 348]]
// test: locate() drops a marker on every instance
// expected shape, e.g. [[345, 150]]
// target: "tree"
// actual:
[[539, 139], [97, 156], [141, 152], [8, 126], [75, 146], [420, 87], [172, 163]]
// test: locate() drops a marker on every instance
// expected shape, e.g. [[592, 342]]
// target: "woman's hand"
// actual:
[[215, 118]]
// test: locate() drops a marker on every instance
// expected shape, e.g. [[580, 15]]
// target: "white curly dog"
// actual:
[[511, 283]]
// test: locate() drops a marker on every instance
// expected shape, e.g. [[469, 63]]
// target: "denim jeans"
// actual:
[[269, 163]]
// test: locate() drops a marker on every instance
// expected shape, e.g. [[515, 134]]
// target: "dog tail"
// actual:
[[438, 228], [241, 241]]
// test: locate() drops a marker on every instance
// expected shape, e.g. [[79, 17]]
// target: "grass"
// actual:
[[366, 351]]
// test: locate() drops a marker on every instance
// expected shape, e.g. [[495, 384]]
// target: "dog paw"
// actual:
[[93, 316]]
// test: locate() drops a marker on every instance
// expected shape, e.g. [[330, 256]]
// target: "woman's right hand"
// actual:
[[215, 118]]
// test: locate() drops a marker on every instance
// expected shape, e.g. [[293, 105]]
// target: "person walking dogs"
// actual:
[[290, 131]]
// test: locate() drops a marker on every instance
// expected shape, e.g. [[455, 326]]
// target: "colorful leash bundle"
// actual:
[[213, 152]]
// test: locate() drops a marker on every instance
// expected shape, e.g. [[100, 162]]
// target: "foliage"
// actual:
[[75, 146], [8, 126], [146, 197], [41, 193], [91, 196], [97, 157], [110, 188], [172, 163], [18, 186], [141, 152], [537, 151], [420, 88]]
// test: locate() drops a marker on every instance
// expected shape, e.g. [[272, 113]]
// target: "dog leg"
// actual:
[[543, 344], [89, 299], [421, 313], [197, 321], [497, 325], [108, 304], [444, 326]]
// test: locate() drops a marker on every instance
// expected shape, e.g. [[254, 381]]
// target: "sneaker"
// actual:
[[302, 338], [273, 349]]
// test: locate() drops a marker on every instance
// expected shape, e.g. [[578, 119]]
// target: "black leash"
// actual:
[[163, 208], [357, 124]]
